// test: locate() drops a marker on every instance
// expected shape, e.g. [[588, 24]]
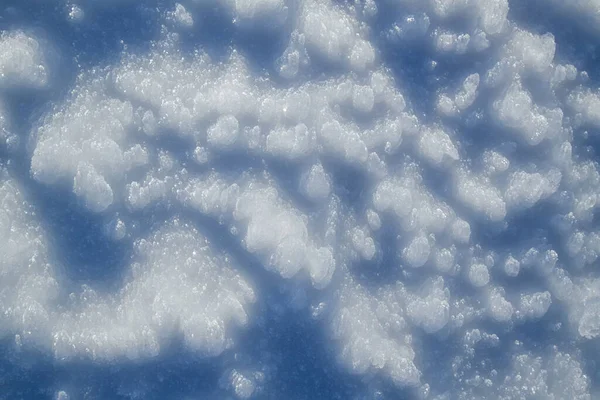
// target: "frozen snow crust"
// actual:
[[299, 199]]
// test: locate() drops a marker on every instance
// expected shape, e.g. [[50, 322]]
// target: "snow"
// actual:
[[479, 275], [30, 286], [500, 309], [417, 252], [249, 11], [589, 324], [295, 199], [92, 187], [177, 286], [436, 146], [315, 183], [331, 33], [526, 189], [431, 312], [461, 100], [512, 266], [531, 123], [243, 387], [224, 132], [22, 61], [535, 305], [479, 195], [181, 16]]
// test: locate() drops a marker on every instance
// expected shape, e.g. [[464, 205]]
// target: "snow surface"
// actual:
[[265, 199]]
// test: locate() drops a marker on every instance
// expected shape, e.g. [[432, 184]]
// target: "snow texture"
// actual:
[[265, 199]]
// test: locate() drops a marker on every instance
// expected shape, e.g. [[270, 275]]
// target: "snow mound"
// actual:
[[178, 285]]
